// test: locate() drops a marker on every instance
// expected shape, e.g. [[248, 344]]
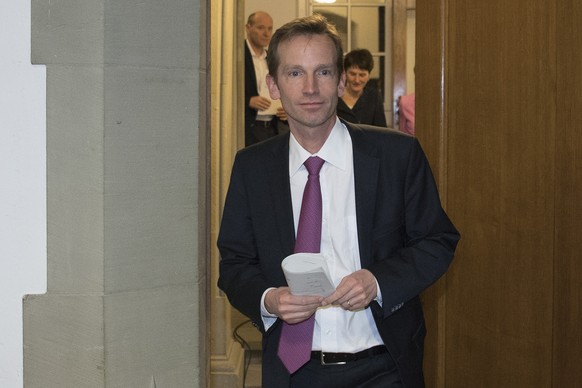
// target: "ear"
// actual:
[[341, 86], [273, 88]]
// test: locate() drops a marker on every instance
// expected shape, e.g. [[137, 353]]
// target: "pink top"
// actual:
[[406, 114]]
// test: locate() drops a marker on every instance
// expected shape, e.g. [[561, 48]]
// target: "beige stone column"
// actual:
[[227, 97], [126, 196]]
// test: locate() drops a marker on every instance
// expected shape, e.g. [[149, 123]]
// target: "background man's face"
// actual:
[[260, 32]]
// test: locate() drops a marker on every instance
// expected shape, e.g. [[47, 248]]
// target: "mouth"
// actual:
[[311, 105]]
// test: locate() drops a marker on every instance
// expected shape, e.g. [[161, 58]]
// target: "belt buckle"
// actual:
[[322, 358]]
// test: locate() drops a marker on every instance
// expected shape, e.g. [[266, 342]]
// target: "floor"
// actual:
[[250, 339]]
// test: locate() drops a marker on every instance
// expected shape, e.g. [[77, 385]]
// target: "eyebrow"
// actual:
[[298, 66]]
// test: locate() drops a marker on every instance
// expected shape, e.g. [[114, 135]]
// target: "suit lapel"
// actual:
[[366, 168], [278, 175]]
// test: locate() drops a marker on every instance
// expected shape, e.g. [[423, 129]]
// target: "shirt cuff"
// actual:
[[378, 297], [268, 318]]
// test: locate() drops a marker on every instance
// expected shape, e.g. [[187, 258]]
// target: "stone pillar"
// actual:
[[227, 36], [127, 245]]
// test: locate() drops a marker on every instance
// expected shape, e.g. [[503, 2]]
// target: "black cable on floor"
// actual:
[[238, 338]]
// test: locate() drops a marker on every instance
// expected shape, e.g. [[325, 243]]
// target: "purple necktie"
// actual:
[[295, 342]]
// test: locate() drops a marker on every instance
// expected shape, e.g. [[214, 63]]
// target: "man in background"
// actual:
[[261, 113]]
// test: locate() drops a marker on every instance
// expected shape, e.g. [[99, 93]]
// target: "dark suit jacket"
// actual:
[[406, 240], [250, 86]]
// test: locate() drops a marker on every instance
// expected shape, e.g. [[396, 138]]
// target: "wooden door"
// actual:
[[498, 112]]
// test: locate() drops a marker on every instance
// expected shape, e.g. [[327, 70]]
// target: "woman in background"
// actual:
[[361, 103], [406, 113]]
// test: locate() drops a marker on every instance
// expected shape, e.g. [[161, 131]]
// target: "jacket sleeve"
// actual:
[[379, 115], [240, 273], [419, 248]]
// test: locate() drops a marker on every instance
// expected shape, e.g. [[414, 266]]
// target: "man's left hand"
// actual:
[[354, 292]]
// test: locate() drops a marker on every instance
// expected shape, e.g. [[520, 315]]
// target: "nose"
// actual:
[[310, 84]]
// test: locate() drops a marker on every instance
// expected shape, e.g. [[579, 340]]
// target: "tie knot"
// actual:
[[313, 165]]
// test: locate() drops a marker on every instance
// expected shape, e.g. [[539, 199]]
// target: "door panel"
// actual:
[[500, 121]]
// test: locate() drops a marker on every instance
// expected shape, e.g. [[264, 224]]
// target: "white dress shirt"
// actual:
[[336, 330], [261, 71]]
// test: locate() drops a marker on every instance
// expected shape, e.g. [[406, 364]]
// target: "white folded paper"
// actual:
[[272, 109], [307, 274]]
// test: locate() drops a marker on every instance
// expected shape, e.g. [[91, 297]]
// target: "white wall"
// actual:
[[23, 258], [281, 11]]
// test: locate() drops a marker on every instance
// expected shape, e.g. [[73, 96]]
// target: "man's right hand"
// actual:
[[259, 103], [291, 308]]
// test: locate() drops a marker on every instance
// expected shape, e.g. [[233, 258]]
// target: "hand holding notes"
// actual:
[[310, 287], [307, 274]]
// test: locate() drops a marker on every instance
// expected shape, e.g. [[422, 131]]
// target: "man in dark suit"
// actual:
[[261, 120], [384, 233]]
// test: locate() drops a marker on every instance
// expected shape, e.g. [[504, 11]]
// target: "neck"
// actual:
[[352, 93], [257, 49], [312, 139]]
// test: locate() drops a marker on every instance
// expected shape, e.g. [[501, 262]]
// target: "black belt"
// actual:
[[263, 123], [342, 358]]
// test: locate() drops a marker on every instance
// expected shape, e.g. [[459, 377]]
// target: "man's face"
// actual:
[[308, 82], [260, 32]]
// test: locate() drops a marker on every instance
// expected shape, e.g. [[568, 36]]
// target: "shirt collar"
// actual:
[[263, 54], [333, 151]]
